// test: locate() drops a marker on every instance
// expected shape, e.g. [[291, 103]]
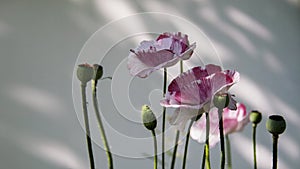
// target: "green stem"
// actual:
[[254, 145], [164, 120], [275, 144], [207, 158], [175, 149], [87, 126], [102, 131], [177, 132], [203, 159], [186, 144], [220, 111], [155, 149], [181, 66], [228, 151]]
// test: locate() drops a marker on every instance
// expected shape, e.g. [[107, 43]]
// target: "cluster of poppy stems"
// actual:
[[199, 96]]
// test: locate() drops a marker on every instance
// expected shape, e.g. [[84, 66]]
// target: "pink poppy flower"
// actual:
[[233, 121], [163, 52], [191, 93]]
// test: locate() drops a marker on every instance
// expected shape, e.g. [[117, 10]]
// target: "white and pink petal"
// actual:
[[163, 52], [181, 116]]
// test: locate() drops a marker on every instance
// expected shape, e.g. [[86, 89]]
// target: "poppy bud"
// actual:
[[98, 72], [221, 101], [85, 72], [148, 118], [276, 124], [255, 117]]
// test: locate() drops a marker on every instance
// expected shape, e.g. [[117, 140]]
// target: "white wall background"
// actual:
[[40, 42]]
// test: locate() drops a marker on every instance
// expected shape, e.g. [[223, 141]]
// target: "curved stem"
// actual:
[[228, 151], [102, 131], [186, 144], [87, 126], [155, 149], [220, 111], [164, 120], [175, 149], [275, 143], [207, 158], [254, 145]]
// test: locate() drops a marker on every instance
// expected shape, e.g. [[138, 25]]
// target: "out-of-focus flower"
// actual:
[[233, 121], [163, 52], [191, 93]]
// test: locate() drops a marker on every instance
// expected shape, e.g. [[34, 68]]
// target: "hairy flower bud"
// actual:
[[148, 118]]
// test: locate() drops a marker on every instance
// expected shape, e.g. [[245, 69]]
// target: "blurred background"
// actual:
[[42, 41]]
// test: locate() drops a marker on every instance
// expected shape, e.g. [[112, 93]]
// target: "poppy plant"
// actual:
[[163, 52]]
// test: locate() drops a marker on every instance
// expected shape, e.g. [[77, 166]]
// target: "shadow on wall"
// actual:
[[258, 38]]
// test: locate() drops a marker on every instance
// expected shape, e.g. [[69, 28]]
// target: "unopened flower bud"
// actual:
[[98, 72], [255, 117], [85, 72], [148, 118], [276, 124], [221, 101]]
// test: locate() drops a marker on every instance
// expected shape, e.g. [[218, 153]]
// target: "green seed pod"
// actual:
[[255, 117], [276, 124], [85, 72], [221, 101], [148, 118], [98, 72]]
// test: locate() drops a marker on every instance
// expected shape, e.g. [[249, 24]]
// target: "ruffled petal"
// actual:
[[179, 43], [232, 102], [196, 134], [222, 81], [191, 76], [242, 117], [181, 116], [197, 86], [163, 52], [188, 53], [148, 59], [198, 129], [149, 54], [233, 121]]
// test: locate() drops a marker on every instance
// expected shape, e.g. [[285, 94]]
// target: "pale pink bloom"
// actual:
[[233, 121], [163, 52], [191, 92]]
